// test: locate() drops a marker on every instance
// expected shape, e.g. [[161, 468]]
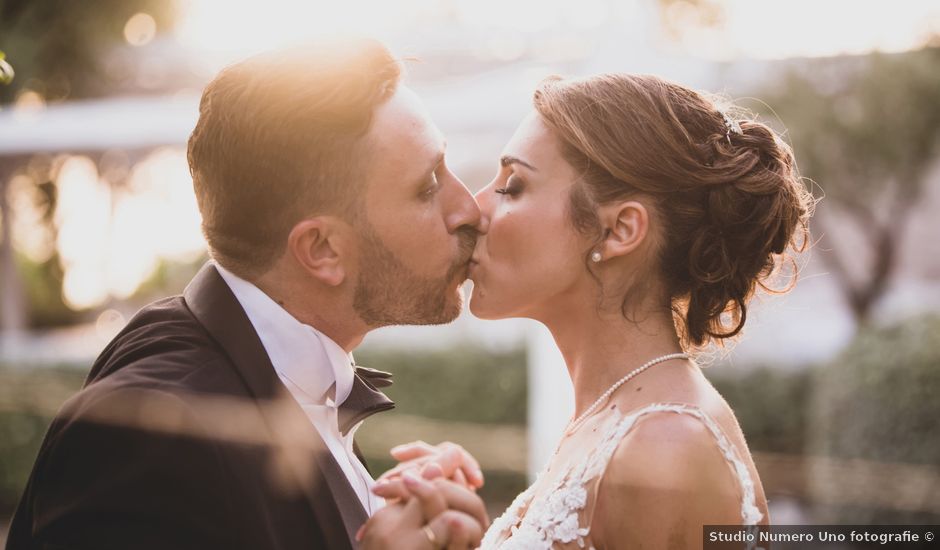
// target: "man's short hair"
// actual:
[[279, 138]]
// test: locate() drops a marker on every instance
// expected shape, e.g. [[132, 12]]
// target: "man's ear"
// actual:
[[626, 224], [317, 244]]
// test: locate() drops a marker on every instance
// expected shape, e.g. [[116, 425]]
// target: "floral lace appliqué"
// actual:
[[553, 519]]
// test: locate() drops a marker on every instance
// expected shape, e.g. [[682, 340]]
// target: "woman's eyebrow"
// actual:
[[506, 160]]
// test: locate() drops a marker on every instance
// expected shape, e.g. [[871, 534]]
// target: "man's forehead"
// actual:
[[404, 120]]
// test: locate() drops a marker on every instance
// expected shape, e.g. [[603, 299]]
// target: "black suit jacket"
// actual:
[[184, 438]]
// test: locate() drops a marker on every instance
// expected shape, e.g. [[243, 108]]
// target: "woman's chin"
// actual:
[[480, 306]]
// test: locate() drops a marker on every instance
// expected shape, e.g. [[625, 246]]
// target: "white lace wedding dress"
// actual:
[[555, 512]]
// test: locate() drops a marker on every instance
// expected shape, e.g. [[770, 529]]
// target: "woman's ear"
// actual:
[[626, 225], [317, 245]]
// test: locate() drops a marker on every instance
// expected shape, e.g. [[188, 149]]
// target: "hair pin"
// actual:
[[732, 125]]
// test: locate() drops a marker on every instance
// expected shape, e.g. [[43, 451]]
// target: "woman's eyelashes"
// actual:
[[512, 188]]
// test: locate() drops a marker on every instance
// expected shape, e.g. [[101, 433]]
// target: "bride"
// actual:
[[635, 218]]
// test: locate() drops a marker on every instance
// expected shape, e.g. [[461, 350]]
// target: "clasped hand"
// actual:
[[431, 501]]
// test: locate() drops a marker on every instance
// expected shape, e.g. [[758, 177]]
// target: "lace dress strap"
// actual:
[[750, 513], [561, 516]]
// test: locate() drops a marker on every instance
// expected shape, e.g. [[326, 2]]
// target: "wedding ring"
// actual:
[[432, 538]]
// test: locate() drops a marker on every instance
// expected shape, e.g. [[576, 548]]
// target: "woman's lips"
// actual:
[[471, 267]]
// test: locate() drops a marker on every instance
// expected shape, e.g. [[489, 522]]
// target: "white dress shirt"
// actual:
[[317, 372]]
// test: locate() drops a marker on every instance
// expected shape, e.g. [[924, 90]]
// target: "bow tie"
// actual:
[[364, 399]]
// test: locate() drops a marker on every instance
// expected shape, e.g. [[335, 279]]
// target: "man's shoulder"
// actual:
[[164, 347], [163, 366]]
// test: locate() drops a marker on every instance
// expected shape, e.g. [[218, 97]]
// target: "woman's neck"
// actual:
[[600, 348]]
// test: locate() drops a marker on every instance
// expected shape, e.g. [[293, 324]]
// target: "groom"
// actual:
[[224, 418]]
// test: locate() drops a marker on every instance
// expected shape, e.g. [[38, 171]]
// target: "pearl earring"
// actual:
[[596, 257]]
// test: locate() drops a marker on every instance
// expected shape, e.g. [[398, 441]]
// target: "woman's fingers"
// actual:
[[461, 499], [395, 488], [432, 470], [428, 497], [410, 451], [468, 459], [391, 489], [397, 471], [460, 479], [405, 525], [456, 531], [451, 458], [434, 496]]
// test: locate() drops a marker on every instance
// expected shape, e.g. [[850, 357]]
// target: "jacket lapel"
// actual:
[[297, 446]]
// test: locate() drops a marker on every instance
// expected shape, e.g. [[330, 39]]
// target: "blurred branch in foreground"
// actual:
[[501, 449]]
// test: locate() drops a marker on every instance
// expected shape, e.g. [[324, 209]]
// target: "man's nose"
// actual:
[[484, 200], [464, 210]]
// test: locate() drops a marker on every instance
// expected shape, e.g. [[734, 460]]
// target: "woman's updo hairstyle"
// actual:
[[724, 192]]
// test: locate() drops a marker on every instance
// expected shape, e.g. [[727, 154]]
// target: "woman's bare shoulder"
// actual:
[[666, 479]]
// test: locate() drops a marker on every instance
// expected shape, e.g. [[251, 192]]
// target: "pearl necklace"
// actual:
[[576, 423]]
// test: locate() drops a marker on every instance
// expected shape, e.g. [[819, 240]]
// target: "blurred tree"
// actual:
[[867, 130], [59, 48]]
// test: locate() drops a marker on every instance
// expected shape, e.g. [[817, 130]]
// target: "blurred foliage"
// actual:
[[28, 398], [867, 131], [463, 384], [58, 46], [169, 277], [42, 280], [878, 400], [771, 404], [6, 70], [62, 49], [43, 290]]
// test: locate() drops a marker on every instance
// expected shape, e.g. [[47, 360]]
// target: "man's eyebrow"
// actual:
[[439, 158], [431, 169], [506, 160]]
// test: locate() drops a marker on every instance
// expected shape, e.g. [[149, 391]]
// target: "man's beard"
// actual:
[[389, 293]]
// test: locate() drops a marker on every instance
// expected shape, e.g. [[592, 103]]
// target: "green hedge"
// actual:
[[880, 398], [464, 384], [771, 404], [879, 401], [28, 400]]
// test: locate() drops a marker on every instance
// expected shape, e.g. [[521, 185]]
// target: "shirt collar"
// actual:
[[300, 353]]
